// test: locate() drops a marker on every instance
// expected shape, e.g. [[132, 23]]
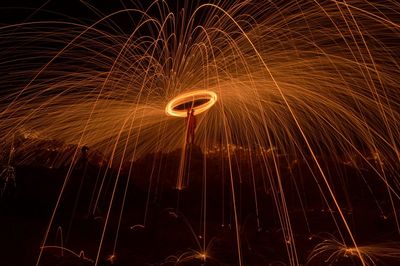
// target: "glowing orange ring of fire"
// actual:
[[188, 97]]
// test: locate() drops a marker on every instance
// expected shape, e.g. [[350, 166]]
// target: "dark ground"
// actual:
[[25, 213]]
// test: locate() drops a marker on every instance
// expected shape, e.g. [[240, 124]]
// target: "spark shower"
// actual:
[[296, 81]]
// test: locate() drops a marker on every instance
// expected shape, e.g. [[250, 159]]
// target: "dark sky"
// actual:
[[77, 11], [33, 10], [19, 10]]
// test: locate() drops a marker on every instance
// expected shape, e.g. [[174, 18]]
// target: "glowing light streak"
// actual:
[[285, 87], [189, 99]]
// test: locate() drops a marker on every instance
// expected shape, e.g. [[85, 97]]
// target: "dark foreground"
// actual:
[[174, 220]]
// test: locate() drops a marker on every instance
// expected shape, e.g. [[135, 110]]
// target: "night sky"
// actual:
[[297, 163]]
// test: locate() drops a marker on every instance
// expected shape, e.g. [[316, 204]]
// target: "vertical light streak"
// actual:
[[301, 77]]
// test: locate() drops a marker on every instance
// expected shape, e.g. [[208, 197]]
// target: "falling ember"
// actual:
[[112, 258], [300, 112]]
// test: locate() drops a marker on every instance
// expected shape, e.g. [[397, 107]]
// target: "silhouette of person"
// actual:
[[84, 152], [83, 160], [191, 126], [7, 182]]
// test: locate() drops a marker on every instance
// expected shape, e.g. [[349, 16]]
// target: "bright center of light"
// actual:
[[189, 99]]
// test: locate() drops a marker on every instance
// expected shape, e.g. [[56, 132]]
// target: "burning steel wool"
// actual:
[[274, 86]]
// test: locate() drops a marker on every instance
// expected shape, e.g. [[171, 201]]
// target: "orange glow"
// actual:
[[188, 97]]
